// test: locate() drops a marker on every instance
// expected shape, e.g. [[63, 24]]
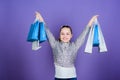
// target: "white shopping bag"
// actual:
[[89, 44]]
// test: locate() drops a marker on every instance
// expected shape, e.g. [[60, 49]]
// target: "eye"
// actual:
[[62, 33], [68, 33]]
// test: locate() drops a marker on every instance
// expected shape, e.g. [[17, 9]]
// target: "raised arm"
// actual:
[[80, 40], [50, 36]]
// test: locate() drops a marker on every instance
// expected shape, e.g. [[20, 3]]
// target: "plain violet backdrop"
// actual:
[[19, 62]]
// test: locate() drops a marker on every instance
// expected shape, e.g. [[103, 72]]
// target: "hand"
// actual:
[[39, 17], [92, 20]]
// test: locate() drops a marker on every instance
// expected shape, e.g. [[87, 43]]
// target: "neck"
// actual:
[[64, 42]]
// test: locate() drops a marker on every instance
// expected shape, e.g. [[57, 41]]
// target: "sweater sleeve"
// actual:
[[81, 38], [50, 37]]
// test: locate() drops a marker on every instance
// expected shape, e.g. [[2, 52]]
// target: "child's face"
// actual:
[[65, 35]]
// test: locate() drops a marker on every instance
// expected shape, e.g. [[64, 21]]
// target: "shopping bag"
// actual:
[[42, 36], [35, 45], [33, 32], [95, 39], [96, 36]]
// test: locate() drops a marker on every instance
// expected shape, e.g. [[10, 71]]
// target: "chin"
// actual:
[[65, 41]]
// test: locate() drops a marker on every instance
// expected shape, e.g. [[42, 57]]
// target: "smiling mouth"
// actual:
[[65, 38]]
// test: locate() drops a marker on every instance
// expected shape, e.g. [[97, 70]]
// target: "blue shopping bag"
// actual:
[[33, 34], [96, 36], [43, 36]]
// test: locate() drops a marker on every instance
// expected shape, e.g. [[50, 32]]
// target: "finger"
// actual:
[[97, 15], [37, 13]]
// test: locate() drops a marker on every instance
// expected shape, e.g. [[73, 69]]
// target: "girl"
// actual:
[[64, 51]]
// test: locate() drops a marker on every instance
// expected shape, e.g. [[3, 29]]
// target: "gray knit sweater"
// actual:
[[65, 53]]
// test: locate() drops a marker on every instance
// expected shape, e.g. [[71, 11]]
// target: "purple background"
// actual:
[[19, 62]]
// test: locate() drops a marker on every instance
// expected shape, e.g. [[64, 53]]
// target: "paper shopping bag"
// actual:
[[96, 36], [33, 34], [42, 36]]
